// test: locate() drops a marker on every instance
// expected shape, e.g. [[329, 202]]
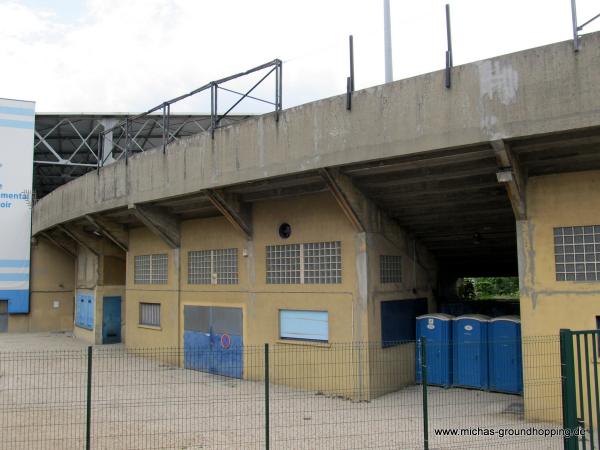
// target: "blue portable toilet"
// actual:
[[470, 351], [437, 330], [505, 355]]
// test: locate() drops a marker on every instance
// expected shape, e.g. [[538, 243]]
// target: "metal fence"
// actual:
[[292, 396]]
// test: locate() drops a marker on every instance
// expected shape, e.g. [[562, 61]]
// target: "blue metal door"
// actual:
[[111, 320], [212, 340]]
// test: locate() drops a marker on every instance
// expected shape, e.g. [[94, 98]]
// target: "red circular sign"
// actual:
[[225, 341]]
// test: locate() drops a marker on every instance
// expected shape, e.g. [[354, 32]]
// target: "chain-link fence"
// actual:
[[296, 395]]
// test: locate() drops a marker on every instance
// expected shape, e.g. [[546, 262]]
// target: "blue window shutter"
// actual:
[[90, 312], [79, 311], [304, 325]]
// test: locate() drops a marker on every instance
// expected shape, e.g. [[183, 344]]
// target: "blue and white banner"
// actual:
[[17, 121]]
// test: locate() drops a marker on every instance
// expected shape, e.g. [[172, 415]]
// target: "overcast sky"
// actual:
[[129, 55]]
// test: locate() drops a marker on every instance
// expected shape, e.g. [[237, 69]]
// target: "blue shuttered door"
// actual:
[[212, 340]]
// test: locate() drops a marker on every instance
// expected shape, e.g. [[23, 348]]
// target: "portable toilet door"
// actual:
[[437, 330], [506, 358], [470, 351]]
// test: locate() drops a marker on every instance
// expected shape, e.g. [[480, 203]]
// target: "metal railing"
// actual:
[[109, 146]]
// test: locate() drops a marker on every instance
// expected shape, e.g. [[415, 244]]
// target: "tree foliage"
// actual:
[[490, 288]]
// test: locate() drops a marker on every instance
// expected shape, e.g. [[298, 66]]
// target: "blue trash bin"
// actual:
[[470, 351], [505, 355], [437, 330]]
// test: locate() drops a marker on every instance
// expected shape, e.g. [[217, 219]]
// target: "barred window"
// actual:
[[150, 314], [213, 266], [151, 269], [309, 263], [323, 263], [390, 269], [577, 253], [283, 264]]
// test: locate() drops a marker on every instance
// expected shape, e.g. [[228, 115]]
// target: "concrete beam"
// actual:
[[60, 244], [162, 224], [363, 214], [350, 200], [235, 211], [80, 238], [512, 177], [111, 231], [548, 91]]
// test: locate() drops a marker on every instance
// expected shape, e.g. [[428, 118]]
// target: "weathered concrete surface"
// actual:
[[544, 90]]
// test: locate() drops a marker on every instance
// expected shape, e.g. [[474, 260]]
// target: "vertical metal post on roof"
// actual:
[[449, 62], [574, 24], [213, 109], [350, 79], [100, 160], [387, 41], [127, 140], [164, 127], [168, 123], [278, 75]]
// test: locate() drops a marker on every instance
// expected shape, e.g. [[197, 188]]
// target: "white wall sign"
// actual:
[[17, 120]]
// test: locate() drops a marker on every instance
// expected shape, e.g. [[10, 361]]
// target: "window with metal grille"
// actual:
[[213, 266], [390, 269], [310, 263], [322, 262], [577, 253], [151, 269], [150, 314]]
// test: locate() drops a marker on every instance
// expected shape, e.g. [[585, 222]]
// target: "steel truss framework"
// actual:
[[67, 146]]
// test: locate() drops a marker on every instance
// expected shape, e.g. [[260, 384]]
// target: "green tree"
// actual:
[[493, 287]]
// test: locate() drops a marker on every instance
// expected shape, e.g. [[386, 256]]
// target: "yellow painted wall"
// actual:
[[51, 293], [339, 366], [548, 305], [101, 276], [394, 367], [144, 242]]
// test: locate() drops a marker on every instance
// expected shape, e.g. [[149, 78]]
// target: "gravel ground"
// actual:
[[142, 403]]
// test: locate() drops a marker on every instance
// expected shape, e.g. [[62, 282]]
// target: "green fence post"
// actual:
[[88, 412], [267, 431], [569, 403], [424, 380]]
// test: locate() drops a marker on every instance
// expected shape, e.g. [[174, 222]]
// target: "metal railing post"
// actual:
[[569, 403], [127, 140], [574, 25], [424, 383], [350, 79], [164, 127], [449, 62], [88, 412], [267, 424]]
